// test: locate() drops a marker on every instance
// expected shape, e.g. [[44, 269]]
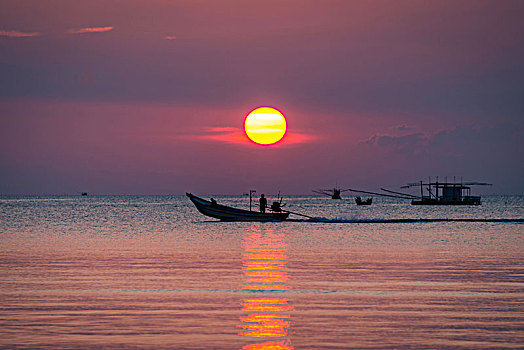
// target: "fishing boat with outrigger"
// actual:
[[333, 193], [446, 193], [226, 213], [438, 193]]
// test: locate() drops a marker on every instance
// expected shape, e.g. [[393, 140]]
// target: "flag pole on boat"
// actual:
[[250, 197]]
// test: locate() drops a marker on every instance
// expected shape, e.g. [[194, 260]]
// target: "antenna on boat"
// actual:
[[436, 188], [250, 197]]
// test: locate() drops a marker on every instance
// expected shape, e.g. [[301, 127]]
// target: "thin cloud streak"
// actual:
[[222, 129], [237, 136], [298, 138], [90, 30], [17, 34], [223, 134]]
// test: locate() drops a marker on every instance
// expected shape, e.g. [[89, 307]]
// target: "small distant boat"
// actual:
[[84, 193], [225, 213], [359, 201], [333, 193]]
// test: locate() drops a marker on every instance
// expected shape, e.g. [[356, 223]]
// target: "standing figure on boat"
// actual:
[[263, 203]]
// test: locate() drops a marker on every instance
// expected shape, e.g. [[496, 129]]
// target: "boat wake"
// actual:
[[403, 221]]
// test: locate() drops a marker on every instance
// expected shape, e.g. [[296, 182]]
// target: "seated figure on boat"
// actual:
[[275, 207]]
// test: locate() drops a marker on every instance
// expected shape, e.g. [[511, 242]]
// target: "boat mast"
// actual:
[[250, 197], [436, 190]]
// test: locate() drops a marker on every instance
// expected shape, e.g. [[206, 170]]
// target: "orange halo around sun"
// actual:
[[265, 125]]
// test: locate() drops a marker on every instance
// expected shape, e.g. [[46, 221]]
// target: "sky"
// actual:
[[150, 97]]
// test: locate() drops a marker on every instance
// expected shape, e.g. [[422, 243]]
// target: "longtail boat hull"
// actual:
[[225, 213], [464, 201]]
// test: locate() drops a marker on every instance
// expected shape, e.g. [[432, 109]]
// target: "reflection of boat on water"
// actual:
[[359, 201], [226, 213], [334, 193]]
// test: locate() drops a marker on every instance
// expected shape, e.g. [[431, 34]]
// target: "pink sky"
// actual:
[[150, 97]]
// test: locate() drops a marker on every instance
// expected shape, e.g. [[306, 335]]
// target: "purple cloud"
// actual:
[[404, 127], [458, 140], [486, 153], [412, 143]]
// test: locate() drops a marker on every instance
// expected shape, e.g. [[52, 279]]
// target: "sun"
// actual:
[[265, 125]]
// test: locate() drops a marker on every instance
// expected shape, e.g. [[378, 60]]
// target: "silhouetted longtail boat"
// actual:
[[225, 213]]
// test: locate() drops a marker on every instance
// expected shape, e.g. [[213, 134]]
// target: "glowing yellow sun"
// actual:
[[265, 125]]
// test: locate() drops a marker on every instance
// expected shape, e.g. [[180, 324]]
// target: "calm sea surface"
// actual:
[[150, 272]]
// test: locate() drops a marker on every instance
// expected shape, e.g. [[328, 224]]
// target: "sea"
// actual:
[[151, 272]]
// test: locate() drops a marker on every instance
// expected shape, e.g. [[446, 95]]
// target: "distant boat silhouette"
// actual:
[[446, 193], [334, 193], [439, 193], [359, 201], [83, 194]]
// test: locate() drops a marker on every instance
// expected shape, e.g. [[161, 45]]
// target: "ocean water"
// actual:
[[150, 272]]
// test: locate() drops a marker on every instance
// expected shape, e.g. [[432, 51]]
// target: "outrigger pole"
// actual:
[[404, 194], [381, 194], [292, 212]]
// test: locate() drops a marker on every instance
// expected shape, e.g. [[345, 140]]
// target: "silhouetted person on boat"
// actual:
[[263, 203], [213, 202]]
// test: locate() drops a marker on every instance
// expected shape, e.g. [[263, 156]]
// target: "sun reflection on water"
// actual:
[[264, 268]]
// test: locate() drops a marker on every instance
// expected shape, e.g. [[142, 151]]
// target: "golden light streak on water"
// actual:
[[265, 265], [264, 268], [269, 345], [266, 305]]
